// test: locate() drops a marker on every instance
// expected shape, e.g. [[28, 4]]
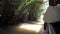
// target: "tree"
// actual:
[[22, 10]]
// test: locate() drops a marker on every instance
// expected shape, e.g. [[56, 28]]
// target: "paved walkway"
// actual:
[[15, 30]]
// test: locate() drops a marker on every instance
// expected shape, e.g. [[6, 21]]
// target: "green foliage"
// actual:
[[29, 2], [33, 7]]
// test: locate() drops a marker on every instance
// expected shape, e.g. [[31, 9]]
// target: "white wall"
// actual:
[[52, 14]]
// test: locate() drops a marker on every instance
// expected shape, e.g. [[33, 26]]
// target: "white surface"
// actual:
[[52, 15]]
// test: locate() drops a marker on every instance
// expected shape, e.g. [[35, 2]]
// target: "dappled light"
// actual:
[[30, 27]]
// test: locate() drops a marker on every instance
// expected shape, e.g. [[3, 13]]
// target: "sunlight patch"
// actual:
[[31, 27]]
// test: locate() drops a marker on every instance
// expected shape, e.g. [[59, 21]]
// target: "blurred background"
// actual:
[[13, 12]]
